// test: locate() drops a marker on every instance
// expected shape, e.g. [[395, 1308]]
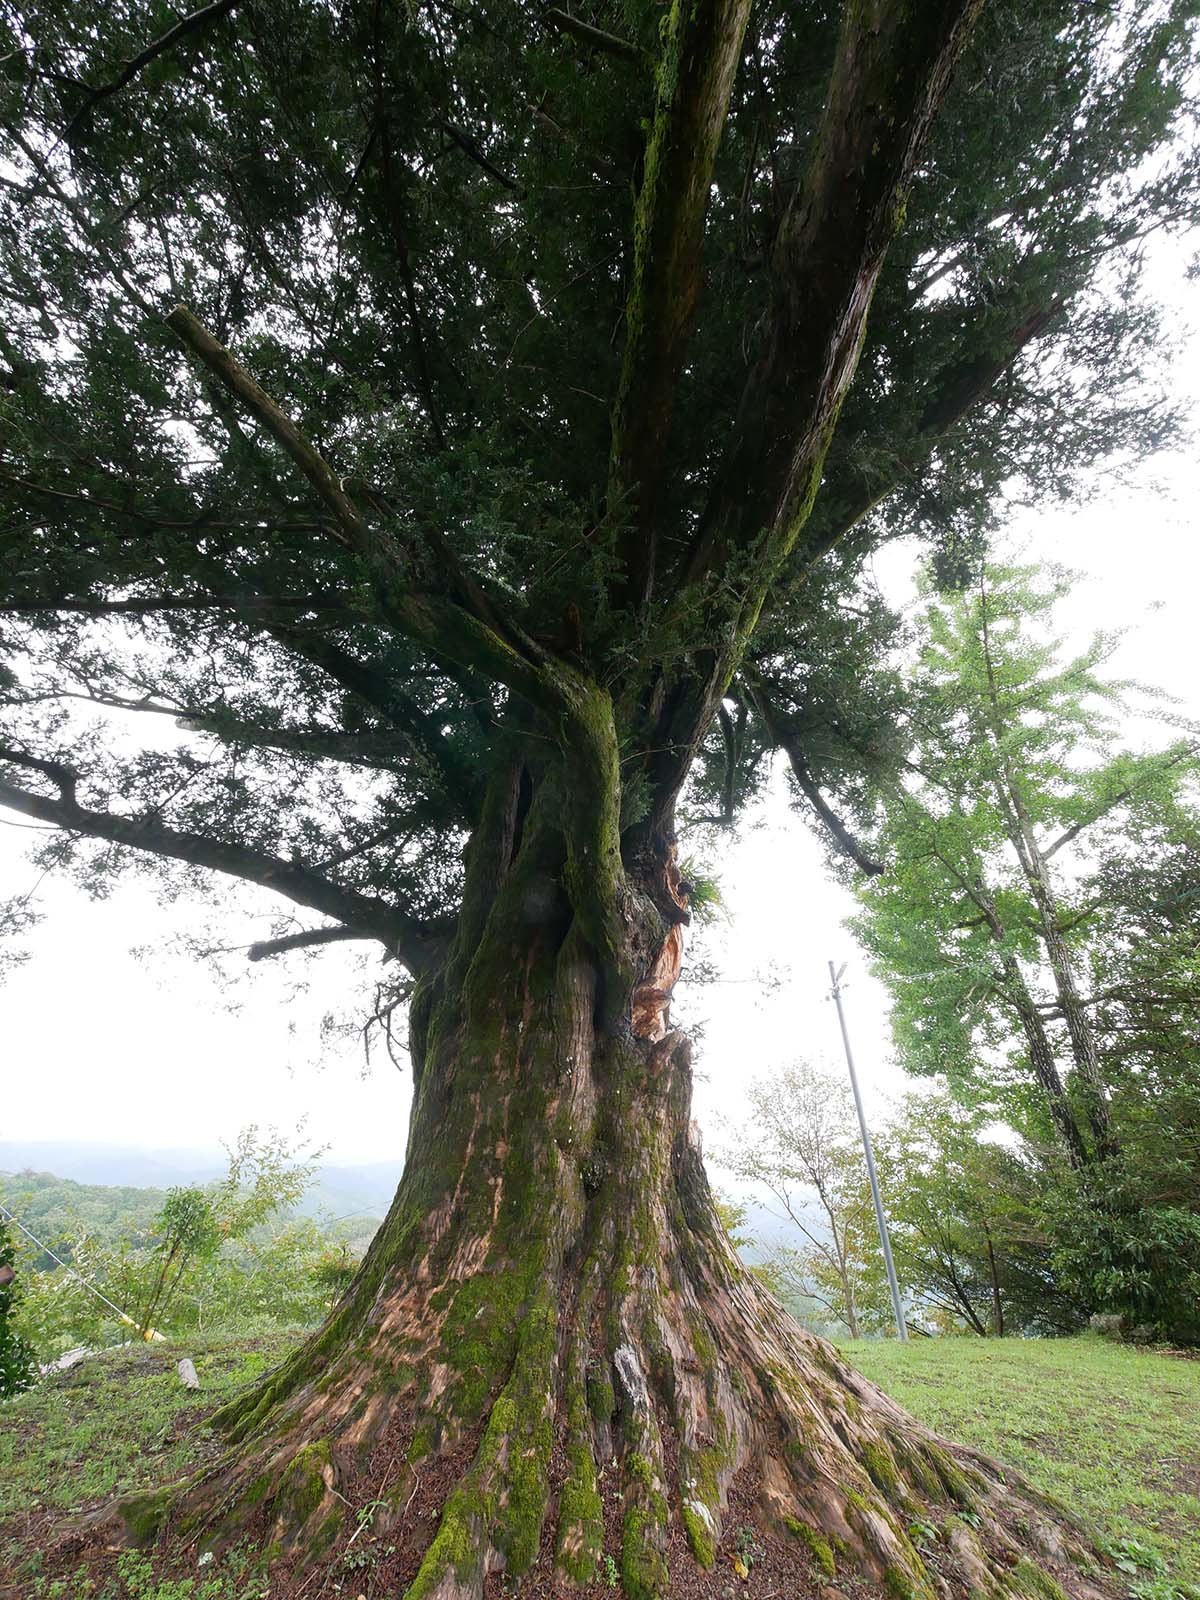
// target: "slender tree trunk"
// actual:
[[841, 1259], [997, 1302], [1041, 1059], [551, 1354], [851, 1308], [1023, 839]]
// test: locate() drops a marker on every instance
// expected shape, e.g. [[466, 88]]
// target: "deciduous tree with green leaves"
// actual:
[[967, 1228], [983, 923], [441, 444], [1030, 857], [802, 1144]]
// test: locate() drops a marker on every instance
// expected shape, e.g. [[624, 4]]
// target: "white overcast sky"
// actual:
[[98, 1045]]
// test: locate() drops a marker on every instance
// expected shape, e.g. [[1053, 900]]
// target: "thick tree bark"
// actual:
[[551, 1353]]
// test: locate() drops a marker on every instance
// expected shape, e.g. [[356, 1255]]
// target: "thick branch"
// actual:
[[596, 37], [186, 26], [465, 630], [378, 690], [301, 941], [470, 149], [378, 751], [370, 917], [890, 73], [145, 606], [277, 423], [960, 391], [695, 77]]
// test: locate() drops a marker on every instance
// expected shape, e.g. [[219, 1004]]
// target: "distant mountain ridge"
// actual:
[[338, 1190]]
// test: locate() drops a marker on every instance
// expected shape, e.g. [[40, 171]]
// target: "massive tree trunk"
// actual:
[[551, 1356]]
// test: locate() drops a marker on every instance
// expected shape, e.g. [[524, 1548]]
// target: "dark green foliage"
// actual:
[[1126, 1238], [414, 227], [17, 1365]]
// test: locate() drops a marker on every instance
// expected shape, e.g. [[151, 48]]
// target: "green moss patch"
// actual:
[[818, 1545]]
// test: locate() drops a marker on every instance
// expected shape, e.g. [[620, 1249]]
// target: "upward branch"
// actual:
[[695, 76], [462, 629], [890, 73], [958, 393]]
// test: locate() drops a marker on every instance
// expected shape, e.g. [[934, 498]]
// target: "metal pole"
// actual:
[[897, 1307]]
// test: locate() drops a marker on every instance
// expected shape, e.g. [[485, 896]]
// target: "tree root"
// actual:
[[558, 1378], [629, 1422]]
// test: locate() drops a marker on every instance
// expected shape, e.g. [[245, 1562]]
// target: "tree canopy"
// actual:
[[441, 446], [540, 324]]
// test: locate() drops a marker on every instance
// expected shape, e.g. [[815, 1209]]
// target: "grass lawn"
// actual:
[[1113, 1431], [120, 1421]]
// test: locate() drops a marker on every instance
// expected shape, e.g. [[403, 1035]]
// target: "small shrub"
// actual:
[[17, 1366]]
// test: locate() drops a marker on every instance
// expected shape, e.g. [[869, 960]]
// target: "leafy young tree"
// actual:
[[966, 1225], [801, 1142], [200, 1258], [450, 559], [187, 1234], [984, 920]]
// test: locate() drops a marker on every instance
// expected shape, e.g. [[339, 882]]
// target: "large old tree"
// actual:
[[468, 420]]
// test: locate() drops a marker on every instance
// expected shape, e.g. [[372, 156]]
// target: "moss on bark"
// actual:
[[514, 1313]]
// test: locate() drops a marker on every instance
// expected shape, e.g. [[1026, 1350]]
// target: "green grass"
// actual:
[[120, 1421], [1113, 1431]]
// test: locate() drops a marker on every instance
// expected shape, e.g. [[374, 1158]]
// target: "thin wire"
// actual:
[[10, 1218]]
